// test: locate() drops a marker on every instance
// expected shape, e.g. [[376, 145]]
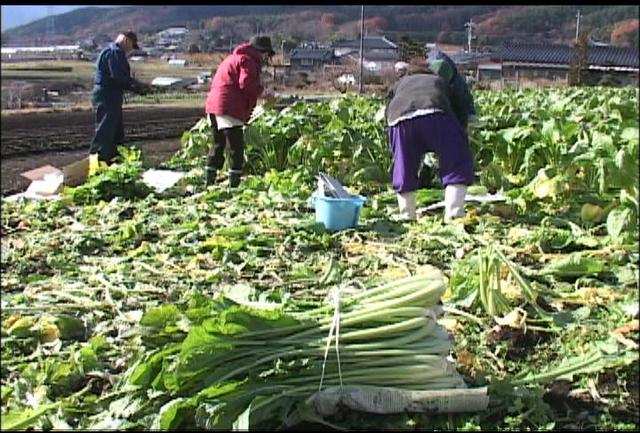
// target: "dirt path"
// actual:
[[154, 151]]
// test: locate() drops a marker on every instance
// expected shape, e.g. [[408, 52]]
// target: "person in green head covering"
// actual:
[[423, 116], [462, 101], [442, 65]]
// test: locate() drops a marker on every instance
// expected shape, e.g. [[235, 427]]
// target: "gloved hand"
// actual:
[[269, 97], [472, 122], [141, 88], [379, 117], [268, 93]]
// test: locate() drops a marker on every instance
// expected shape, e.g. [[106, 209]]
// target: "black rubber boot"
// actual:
[[211, 175], [234, 178]]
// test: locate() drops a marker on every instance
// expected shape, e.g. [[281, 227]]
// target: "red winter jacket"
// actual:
[[236, 85]]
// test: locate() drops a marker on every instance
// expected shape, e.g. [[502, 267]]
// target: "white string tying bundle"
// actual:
[[334, 298]]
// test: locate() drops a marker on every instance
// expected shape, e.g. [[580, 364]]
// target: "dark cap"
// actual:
[[133, 37], [262, 43]]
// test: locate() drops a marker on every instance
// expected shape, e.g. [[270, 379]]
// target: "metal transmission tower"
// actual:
[[51, 25]]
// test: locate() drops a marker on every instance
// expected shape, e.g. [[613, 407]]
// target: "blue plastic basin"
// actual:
[[338, 213]]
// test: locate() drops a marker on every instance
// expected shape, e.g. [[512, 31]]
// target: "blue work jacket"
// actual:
[[113, 75]]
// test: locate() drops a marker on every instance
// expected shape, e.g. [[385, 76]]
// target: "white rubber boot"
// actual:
[[454, 201], [407, 205]]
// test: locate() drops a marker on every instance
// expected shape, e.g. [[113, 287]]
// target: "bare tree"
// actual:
[[15, 95], [579, 66]]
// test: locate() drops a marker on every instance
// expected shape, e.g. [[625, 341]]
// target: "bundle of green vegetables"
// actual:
[[122, 179], [254, 357]]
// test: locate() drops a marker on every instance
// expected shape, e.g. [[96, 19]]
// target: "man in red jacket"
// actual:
[[235, 89]]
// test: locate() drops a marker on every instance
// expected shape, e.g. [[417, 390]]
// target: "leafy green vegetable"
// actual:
[[574, 265], [122, 179]]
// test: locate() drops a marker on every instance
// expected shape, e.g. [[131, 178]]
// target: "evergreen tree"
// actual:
[[410, 48]]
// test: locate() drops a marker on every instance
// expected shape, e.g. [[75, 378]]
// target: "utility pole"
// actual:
[[282, 70], [577, 25], [360, 89], [469, 27]]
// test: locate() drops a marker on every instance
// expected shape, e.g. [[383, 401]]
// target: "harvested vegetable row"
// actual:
[[240, 357]]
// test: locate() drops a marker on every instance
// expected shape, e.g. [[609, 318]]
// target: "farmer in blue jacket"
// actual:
[[112, 78]]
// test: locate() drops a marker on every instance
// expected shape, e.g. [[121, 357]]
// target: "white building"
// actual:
[[178, 62], [46, 49], [165, 81], [172, 82], [44, 52], [173, 32]]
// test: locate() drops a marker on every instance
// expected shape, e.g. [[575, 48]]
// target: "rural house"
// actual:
[[467, 63], [173, 32], [171, 36], [373, 63], [515, 64], [371, 45], [308, 60], [379, 54]]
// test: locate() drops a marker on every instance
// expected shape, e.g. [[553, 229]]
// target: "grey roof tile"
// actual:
[[368, 43], [313, 54], [562, 54]]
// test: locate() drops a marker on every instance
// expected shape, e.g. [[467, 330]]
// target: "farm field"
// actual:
[[126, 308], [74, 81], [83, 71], [155, 151], [38, 132], [30, 140]]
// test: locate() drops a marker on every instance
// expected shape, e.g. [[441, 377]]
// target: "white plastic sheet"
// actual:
[[161, 180]]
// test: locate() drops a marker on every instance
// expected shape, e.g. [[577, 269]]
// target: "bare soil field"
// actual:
[[154, 152], [23, 134]]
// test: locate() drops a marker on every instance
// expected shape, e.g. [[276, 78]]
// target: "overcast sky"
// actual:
[[13, 16]]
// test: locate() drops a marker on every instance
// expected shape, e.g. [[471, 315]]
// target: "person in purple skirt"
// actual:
[[423, 116]]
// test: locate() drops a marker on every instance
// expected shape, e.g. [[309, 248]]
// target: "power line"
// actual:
[[361, 47]]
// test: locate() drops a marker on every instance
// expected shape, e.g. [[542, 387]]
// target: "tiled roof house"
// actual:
[[379, 53], [516, 62], [610, 58], [310, 59]]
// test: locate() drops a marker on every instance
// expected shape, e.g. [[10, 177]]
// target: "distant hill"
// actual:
[[493, 25], [17, 15]]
